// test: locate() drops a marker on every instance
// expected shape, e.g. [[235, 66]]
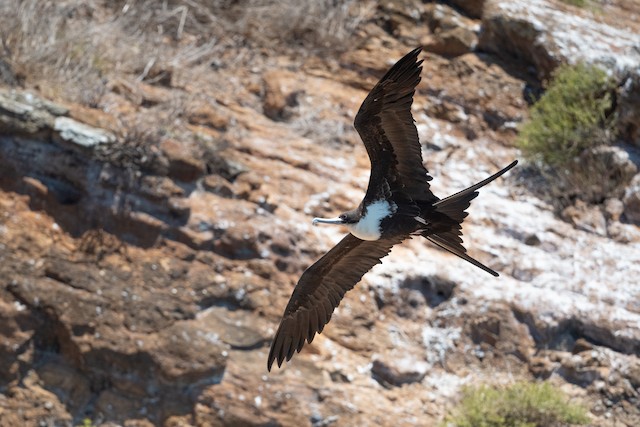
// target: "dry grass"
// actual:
[[97, 52], [43, 47], [71, 49]]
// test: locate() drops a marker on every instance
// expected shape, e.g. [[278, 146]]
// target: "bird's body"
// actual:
[[398, 204], [370, 223]]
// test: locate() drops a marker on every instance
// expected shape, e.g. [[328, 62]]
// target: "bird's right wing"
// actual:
[[389, 134], [320, 290]]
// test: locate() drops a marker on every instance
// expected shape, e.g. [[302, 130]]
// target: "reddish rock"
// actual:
[[143, 282], [451, 43], [279, 95], [94, 117], [206, 115], [452, 34], [394, 372], [184, 165], [473, 8], [586, 217], [218, 185]]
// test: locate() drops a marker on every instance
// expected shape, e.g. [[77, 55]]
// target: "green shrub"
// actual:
[[86, 422], [570, 117], [522, 404]]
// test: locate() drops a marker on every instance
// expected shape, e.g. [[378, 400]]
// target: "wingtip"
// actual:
[[273, 354], [280, 354], [270, 360], [274, 358], [414, 53]]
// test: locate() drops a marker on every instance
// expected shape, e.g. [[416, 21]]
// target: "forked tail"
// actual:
[[454, 207]]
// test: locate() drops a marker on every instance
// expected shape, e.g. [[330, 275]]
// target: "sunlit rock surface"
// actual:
[[142, 283]]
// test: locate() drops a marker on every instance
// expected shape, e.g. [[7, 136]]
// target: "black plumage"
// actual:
[[398, 183]]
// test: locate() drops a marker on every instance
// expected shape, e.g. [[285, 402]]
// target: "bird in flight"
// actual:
[[398, 204]]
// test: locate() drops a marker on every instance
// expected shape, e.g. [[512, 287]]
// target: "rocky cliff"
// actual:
[[151, 236]]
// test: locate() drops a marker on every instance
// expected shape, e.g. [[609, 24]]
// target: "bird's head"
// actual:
[[346, 218]]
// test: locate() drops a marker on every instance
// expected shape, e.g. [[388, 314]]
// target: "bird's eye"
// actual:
[[343, 217]]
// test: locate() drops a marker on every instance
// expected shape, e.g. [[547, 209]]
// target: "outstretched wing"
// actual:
[[386, 127], [320, 290]]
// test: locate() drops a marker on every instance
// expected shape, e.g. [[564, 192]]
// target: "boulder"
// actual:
[[543, 35], [586, 217], [184, 164], [279, 97], [603, 172], [453, 34], [473, 8], [209, 116], [392, 372], [80, 134], [454, 42]]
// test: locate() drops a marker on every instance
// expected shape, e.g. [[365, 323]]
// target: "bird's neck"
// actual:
[[368, 226]]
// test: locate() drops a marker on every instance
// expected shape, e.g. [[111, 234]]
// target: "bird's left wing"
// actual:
[[320, 290]]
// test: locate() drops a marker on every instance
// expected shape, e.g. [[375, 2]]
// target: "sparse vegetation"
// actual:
[[570, 120], [86, 422], [522, 404], [71, 50], [570, 117]]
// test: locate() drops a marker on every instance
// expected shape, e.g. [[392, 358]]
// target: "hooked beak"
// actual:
[[316, 221]]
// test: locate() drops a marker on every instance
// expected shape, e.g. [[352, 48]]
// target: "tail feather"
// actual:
[[459, 250], [454, 207], [462, 195]]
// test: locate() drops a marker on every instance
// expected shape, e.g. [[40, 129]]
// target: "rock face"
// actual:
[[632, 201], [605, 171], [83, 181], [147, 251], [453, 34], [629, 98], [473, 8], [542, 34]]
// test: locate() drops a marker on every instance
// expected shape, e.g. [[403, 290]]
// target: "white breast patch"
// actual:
[[368, 228]]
